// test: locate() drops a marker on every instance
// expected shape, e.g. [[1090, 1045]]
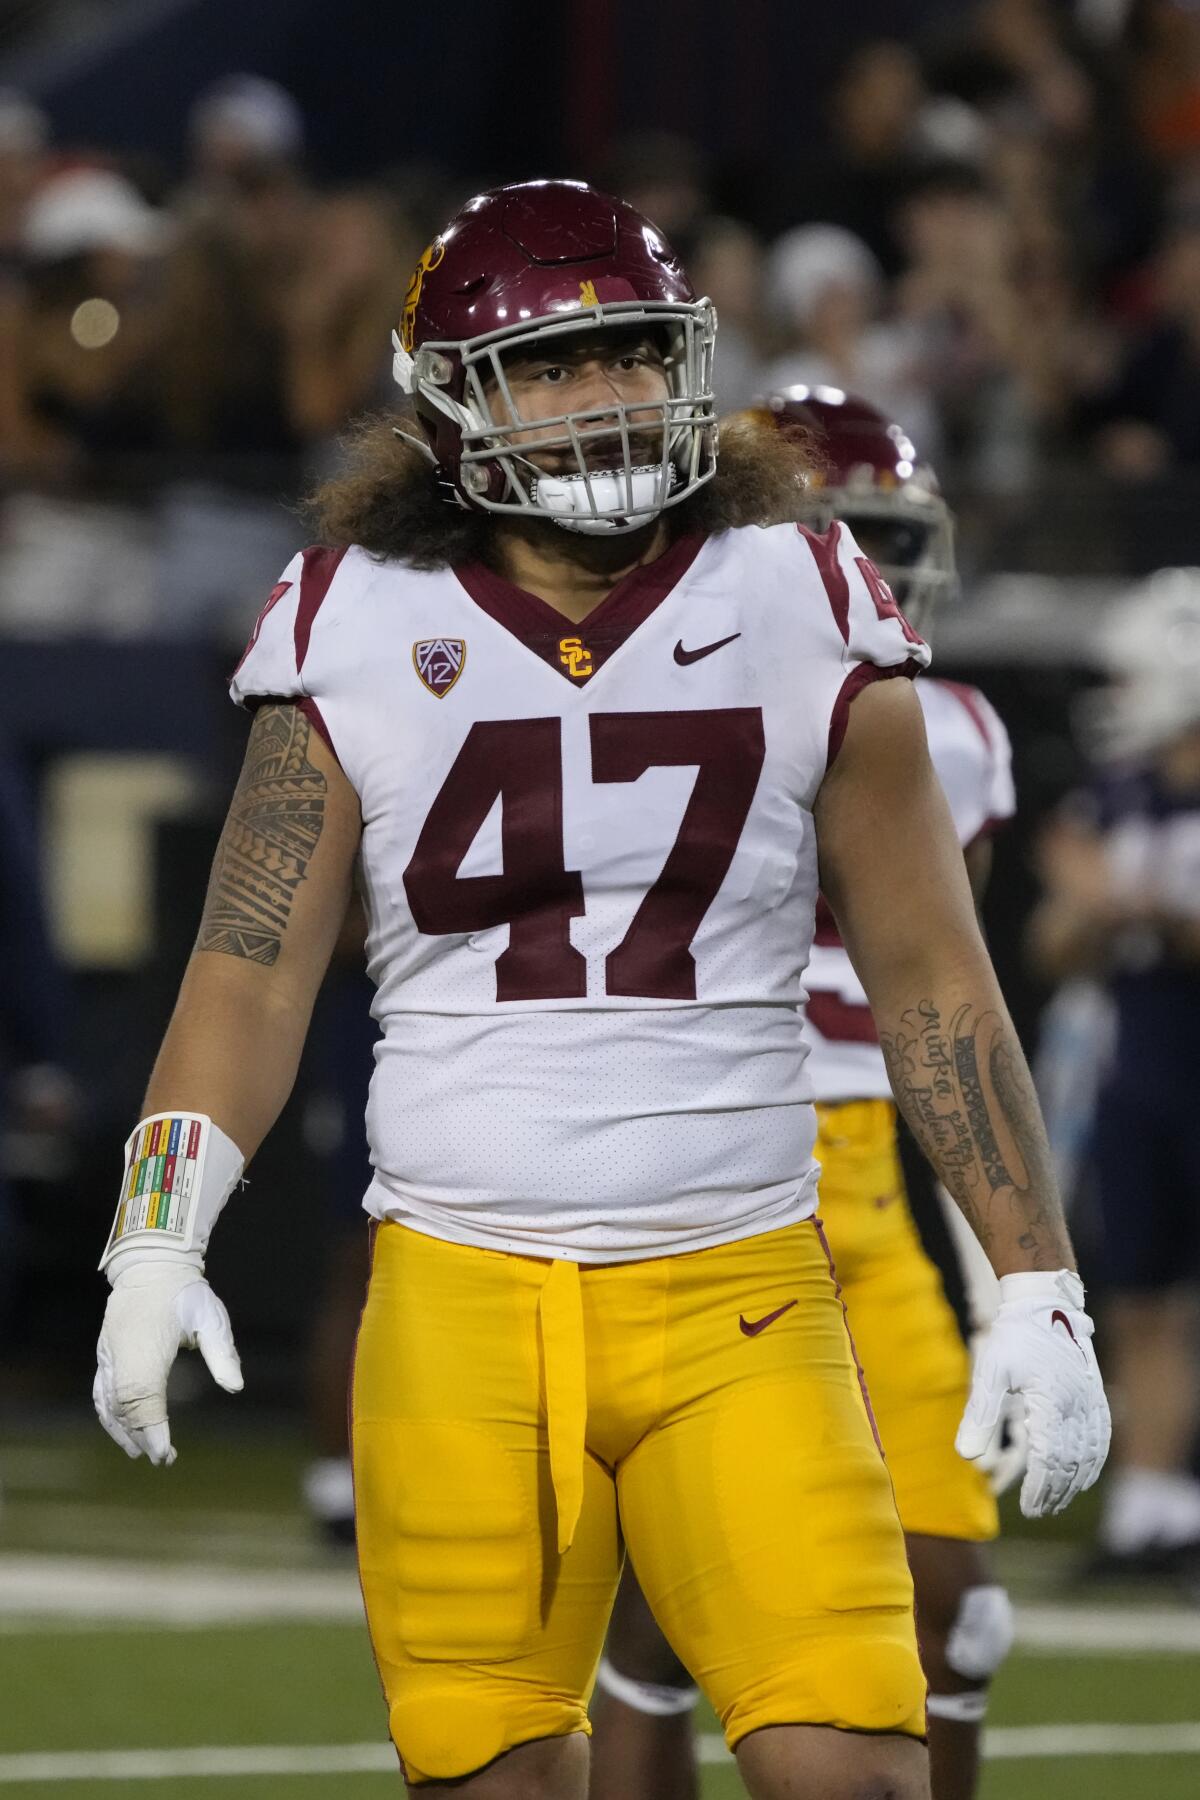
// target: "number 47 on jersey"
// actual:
[[519, 761]]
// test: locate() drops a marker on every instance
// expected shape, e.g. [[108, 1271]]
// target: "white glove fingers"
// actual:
[[156, 1306], [985, 1403], [1095, 1433], [102, 1401], [156, 1442], [206, 1324], [120, 1436], [1035, 1487], [217, 1348], [1041, 1339], [139, 1406], [1059, 1458]]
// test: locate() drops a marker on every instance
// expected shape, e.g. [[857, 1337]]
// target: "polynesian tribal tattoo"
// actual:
[[966, 1093], [274, 822]]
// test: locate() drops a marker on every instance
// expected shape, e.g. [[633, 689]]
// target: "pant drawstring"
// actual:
[[560, 1315]]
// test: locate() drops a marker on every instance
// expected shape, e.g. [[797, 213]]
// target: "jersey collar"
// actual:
[[578, 651]]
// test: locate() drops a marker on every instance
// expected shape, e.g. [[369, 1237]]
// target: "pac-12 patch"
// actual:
[[439, 662]]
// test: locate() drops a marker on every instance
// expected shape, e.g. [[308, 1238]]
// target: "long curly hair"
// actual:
[[388, 499]]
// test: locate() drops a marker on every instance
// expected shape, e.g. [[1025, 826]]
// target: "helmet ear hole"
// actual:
[[433, 367]]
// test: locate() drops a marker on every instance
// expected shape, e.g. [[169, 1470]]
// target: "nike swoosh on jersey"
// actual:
[[752, 1330], [683, 657], [1060, 1318]]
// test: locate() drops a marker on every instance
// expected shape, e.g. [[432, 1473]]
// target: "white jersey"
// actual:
[[590, 873], [970, 751]]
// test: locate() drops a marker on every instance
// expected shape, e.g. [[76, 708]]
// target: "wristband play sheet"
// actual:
[[164, 1163]]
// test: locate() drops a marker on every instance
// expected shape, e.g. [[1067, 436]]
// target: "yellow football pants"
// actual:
[[904, 1330], [705, 1407]]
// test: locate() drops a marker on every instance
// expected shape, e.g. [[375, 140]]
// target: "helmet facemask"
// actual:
[[617, 467]]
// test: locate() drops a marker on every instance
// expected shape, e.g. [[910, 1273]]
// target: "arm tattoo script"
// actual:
[[966, 1093], [274, 822]]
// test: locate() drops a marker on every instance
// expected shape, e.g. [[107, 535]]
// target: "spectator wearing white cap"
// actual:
[[825, 292], [243, 121], [80, 423], [89, 211]]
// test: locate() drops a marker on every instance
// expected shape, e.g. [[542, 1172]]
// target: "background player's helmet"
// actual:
[[1150, 646], [871, 475], [518, 268]]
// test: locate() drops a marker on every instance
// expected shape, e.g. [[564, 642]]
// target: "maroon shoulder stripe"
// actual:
[[320, 566], [273, 598], [824, 547]]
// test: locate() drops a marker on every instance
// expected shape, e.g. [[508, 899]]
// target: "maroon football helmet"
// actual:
[[525, 266], [873, 477]]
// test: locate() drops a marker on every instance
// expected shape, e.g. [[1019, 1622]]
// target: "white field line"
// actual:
[[1014, 1743], [41, 1592], [211, 1760], [1107, 1631], [1032, 1742], [186, 1596]]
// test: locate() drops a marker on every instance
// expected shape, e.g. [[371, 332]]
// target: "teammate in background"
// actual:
[[591, 724], [904, 1330], [1121, 868]]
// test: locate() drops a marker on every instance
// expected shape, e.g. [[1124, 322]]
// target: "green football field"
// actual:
[[179, 1633]]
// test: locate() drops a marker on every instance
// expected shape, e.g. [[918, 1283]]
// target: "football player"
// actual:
[[585, 725], [868, 474], [1121, 867]]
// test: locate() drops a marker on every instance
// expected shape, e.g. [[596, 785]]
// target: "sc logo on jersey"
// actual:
[[575, 657], [439, 662]]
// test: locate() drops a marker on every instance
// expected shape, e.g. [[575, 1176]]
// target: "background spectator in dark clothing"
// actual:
[[1149, 420], [1121, 867]]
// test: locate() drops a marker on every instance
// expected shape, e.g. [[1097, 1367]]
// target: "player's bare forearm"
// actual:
[[276, 900], [893, 869], [961, 1080], [230, 1052]]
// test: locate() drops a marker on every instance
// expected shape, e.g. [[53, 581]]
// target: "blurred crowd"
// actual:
[[998, 242]]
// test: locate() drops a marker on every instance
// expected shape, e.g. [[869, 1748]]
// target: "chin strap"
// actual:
[[406, 437]]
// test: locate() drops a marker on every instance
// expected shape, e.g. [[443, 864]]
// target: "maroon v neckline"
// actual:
[[542, 629]]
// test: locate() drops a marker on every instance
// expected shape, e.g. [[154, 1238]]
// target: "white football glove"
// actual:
[[156, 1308], [1007, 1454], [1039, 1348]]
